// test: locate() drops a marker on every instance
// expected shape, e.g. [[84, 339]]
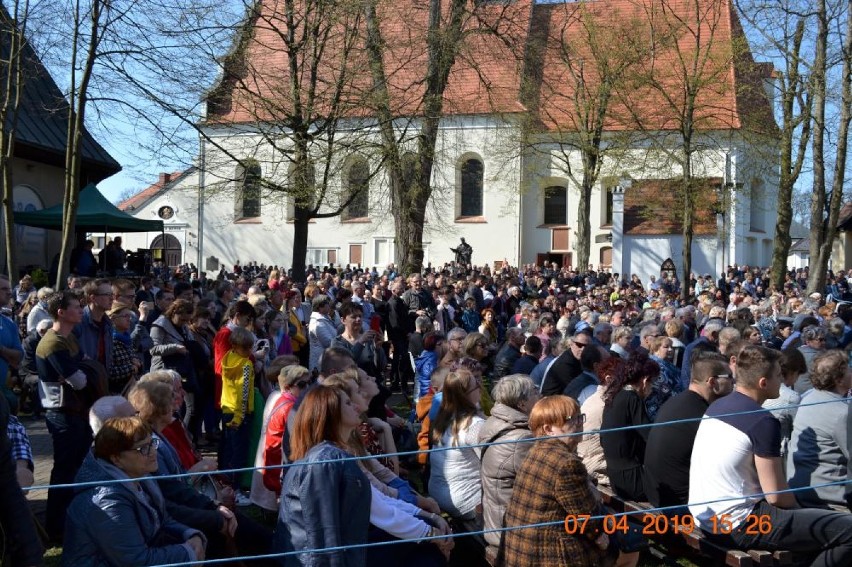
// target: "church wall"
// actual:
[[493, 236], [645, 254]]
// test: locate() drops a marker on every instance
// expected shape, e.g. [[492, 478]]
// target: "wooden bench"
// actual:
[[695, 539]]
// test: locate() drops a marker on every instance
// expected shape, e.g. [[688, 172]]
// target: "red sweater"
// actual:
[[273, 453]]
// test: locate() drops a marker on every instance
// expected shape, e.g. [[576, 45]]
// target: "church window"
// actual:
[[357, 188], [248, 198], [471, 188], [556, 205]]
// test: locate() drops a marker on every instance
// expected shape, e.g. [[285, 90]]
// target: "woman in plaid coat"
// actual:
[[551, 484]]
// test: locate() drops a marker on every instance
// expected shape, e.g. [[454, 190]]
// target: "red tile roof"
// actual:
[[135, 201], [486, 77], [518, 68]]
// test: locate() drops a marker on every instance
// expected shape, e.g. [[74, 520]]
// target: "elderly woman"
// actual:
[[455, 478], [668, 383], [125, 365], [552, 484], [624, 405], [813, 343], [819, 453], [514, 397], [621, 338], [153, 399], [475, 346], [125, 523]]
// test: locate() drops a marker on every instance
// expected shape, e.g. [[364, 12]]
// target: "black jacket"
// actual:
[[562, 371], [397, 319], [505, 360]]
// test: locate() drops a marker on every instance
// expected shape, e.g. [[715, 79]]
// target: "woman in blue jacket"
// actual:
[[325, 500], [125, 523]]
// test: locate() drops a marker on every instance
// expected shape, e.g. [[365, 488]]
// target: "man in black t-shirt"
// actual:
[[669, 448]]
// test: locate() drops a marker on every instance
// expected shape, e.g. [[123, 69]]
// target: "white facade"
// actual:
[[512, 225]]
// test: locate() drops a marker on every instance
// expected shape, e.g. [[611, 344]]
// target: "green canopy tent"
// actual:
[[94, 214]]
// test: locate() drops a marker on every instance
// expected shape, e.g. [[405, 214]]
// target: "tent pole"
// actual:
[[106, 228]]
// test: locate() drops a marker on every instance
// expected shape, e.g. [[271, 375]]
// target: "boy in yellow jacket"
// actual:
[[237, 402]]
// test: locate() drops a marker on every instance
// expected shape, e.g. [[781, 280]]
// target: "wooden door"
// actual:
[[356, 253]]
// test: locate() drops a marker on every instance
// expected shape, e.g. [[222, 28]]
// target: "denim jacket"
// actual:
[[323, 505], [87, 333]]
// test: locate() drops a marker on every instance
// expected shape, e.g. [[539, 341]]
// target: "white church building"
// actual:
[[508, 198]]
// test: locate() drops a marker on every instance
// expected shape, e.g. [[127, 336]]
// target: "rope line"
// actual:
[[418, 452], [335, 549]]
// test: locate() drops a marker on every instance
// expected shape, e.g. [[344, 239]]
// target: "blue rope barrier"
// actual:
[[498, 530], [418, 452]]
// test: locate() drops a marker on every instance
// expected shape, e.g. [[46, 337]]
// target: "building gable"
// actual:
[[42, 118]]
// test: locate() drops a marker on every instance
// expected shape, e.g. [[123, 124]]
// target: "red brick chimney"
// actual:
[[165, 178]]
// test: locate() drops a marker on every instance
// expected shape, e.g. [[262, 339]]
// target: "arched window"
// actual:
[[471, 188], [247, 204], [357, 188], [556, 205]]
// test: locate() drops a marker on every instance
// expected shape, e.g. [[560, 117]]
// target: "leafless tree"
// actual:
[[782, 28], [826, 199], [14, 26]]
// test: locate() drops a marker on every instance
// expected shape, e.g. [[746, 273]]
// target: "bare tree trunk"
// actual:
[[300, 244], [688, 227], [76, 123], [816, 279], [791, 166], [830, 230], [390, 147], [409, 200]]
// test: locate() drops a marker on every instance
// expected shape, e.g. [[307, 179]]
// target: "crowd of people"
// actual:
[[527, 387]]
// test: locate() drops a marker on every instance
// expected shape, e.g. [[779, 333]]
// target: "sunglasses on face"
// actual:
[[578, 419], [302, 384]]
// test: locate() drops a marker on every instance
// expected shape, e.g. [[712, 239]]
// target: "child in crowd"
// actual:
[[237, 401], [470, 316]]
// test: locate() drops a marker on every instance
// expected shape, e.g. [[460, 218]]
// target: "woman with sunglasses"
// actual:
[[551, 485], [125, 523]]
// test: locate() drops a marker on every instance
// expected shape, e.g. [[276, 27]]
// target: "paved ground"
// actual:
[[43, 455]]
